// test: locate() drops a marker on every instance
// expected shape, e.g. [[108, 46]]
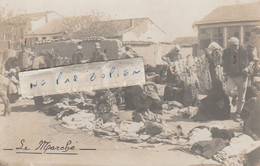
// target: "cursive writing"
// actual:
[[92, 77], [47, 146]]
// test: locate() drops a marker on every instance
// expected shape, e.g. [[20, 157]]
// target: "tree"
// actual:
[[78, 26]]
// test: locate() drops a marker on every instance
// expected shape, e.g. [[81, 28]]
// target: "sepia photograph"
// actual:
[[129, 83]]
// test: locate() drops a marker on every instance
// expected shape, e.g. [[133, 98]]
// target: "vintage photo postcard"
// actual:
[[129, 83]]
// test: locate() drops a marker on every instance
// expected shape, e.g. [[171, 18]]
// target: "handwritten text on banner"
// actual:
[[82, 77]]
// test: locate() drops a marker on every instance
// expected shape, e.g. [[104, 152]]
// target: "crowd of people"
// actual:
[[219, 74], [233, 73]]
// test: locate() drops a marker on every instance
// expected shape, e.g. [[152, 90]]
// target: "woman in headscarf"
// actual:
[[215, 60]]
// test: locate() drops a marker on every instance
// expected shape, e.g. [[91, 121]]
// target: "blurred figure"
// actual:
[[98, 55], [38, 61], [11, 63], [173, 55], [174, 90], [252, 55], [248, 110], [215, 106], [77, 56], [13, 88], [24, 58], [3, 94], [129, 52], [191, 88]]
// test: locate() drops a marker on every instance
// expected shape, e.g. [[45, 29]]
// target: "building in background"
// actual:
[[188, 45], [14, 30], [47, 31], [134, 29], [229, 21], [42, 26]]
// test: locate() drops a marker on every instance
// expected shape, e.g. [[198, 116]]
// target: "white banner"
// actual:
[[82, 77]]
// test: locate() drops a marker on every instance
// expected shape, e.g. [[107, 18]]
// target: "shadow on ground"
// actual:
[[27, 108]]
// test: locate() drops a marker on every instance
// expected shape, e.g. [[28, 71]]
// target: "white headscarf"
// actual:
[[213, 45]]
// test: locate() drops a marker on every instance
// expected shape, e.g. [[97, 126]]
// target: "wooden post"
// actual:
[[241, 35], [225, 37]]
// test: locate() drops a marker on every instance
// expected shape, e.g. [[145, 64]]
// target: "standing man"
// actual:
[[172, 56], [98, 55], [236, 66], [77, 56]]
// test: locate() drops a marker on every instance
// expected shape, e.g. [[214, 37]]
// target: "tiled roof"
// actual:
[[186, 40], [233, 13], [113, 28], [107, 29]]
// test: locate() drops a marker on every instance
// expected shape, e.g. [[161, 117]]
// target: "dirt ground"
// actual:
[[33, 126]]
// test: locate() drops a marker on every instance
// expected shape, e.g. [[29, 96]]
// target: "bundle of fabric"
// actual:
[[152, 128], [130, 94], [104, 129], [80, 120], [128, 127], [252, 158], [106, 105], [209, 148], [172, 107], [149, 98], [127, 131], [203, 74], [60, 110], [219, 73], [157, 139], [251, 114], [142, 114], [159, 133], [232, 155], [191, 88], [222, 133], [188, 112], [199, 133], [174, 90], [119, 95], [129, 138]]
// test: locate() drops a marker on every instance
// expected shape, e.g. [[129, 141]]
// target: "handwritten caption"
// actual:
[[81, 77]]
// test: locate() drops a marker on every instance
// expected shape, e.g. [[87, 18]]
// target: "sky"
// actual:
[[175, 17]]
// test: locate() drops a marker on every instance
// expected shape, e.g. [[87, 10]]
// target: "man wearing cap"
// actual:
[[236, 66], [98, 55], [77, 56], [172, 56]]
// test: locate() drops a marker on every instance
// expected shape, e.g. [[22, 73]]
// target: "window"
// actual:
[[218, 35], [204, 43], [54, 37], [236, 34], [247, 36], [203, 31], [43, 38]]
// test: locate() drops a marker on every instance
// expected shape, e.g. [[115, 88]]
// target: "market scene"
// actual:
[[199, 105]]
